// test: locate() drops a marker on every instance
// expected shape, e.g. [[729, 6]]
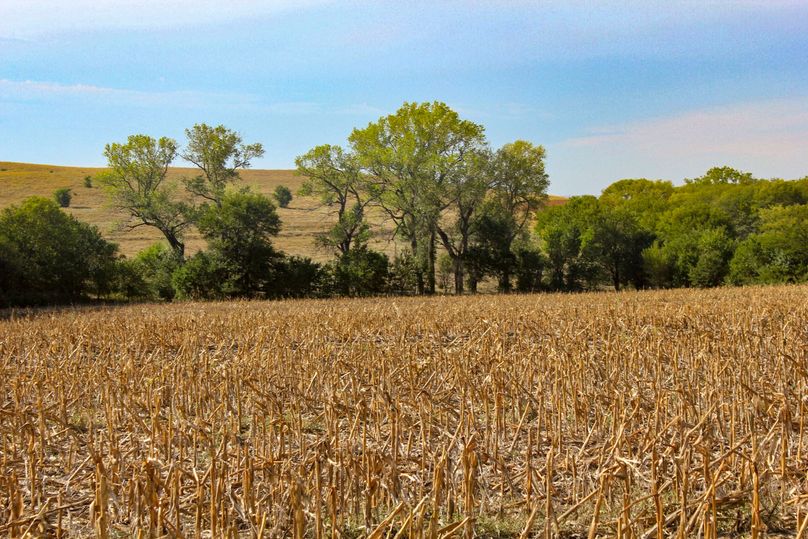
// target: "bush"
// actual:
[[63, 196], [530, 266], [203, 276], [299, 277], [88, 182], [128, 280], [239, 235], [402, 275], [283, 195], [360, 272], [154, 266], [47, 256]]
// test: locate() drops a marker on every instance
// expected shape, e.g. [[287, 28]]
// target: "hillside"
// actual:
[[301, 221]]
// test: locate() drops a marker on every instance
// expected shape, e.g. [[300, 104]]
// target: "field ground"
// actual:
[[599, 415], [301, 221]]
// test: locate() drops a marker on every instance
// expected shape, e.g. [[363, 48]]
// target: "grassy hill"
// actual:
[[301, 220]]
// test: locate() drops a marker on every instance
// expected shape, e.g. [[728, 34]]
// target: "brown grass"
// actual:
[[632, 415], [301, 221]]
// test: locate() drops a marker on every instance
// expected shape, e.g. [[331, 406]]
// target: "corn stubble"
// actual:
[[634, 415]]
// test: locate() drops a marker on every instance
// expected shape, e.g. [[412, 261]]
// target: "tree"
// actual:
[[218, 153], [519, 188], [617, 243], [137, 183], [679, 234], [715, 249], [464, 192], [723, 175], [239, 235], [645, 200], [48, 256], [283, 196], [565, 232], [778, 252], [493, 229], [335, 178], [411, 156], [530, 265], [62, 196]]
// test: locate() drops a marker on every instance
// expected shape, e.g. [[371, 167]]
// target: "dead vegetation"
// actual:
[[634, 415]]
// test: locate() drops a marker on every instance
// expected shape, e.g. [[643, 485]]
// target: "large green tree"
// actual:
[[463, 195], [412, 155], [616, 245], [138, 185], [518, 189], [565, 232], [722, 176], [239, 233]]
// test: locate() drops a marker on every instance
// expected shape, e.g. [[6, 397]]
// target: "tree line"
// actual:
[[725, 227], [464, 211]]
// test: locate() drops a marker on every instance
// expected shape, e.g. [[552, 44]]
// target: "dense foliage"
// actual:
[[726, 227], [47, 256]]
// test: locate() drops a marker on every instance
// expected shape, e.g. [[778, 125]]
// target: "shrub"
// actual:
[[530, 266], [88, 182], [298, 277], [63, 196], [239, 234], [155, 266], [402, 275], [283, 195], [47, 256], [360, 272], [203, 276]]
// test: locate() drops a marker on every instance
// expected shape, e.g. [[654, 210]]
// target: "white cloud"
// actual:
[[25, 18], [768, 138], [29, 90], [38, 91]]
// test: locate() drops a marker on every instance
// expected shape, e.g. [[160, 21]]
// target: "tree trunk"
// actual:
[[473, 282], [505, 280], [419, 274], [458, 275], [176, 245], [431, 255]]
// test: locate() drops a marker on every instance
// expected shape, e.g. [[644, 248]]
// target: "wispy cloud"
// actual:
[[28, 18], [770, 128], [29, 90]]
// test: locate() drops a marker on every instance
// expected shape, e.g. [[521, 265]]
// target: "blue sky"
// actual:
[[657, 89]]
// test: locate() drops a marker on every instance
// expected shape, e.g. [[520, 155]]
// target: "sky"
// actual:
[[612, 90]]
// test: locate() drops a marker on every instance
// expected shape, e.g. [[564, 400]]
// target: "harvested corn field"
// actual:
[[643, 414]]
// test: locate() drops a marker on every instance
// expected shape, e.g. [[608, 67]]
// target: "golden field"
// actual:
[[304, 217], [632, 415]]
